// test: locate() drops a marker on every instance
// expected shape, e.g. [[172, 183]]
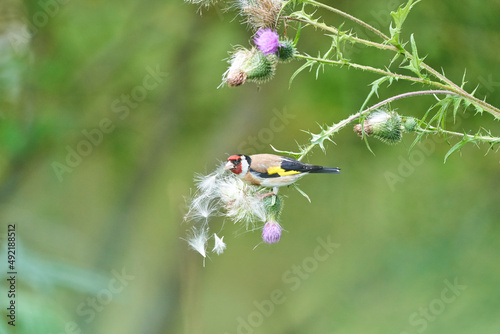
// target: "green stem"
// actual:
[[371, 69], [434, 130], [350, 17], [335, 31], [337, 127]]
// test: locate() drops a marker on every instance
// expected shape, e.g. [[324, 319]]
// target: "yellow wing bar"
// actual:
[[281, 171]]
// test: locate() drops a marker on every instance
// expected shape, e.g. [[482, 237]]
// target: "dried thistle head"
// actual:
[[260, 14], [202, 3]]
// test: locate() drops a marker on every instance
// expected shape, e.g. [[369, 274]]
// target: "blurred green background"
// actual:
[[99, 246]]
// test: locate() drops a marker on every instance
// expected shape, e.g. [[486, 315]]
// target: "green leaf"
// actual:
[[479, 109], [297, 36], [301, 192], [309, 63], [456, 105], [399, 18], [375, 85], [293, 154], [417, 140], [455, 148], [319, 138], [415, 61]]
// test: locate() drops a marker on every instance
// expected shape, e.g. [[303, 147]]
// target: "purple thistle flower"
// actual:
[[271, 232], [267, 41]]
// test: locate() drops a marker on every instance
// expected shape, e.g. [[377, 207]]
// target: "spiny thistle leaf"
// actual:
[[301, 192], [319, 138], [399, 18], [479, 109], [297, 36], [415, 62], [456, 105], [293, 154], [458, 146], [309, 63], [417, 140], [375, 85]]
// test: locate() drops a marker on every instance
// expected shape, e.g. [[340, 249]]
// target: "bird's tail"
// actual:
[[327, 170]]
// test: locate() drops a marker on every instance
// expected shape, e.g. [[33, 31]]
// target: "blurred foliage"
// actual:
[[121, 206]]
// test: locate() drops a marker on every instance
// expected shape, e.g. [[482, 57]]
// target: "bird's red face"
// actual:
[[234, 164]]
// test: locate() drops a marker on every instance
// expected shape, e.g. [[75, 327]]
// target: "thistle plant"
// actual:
[[269, 22]]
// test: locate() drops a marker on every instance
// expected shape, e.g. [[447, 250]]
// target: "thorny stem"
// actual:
[[434, 130], [336, 32], [450, 85], [371, 69], [337, 127], [350, 17]]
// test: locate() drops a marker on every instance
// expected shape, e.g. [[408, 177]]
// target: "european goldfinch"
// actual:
[[270, 170]]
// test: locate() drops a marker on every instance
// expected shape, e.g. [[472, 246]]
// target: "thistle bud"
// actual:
[[383, 125], [410, 124], [286, 51], [250, 65], [271, 232]]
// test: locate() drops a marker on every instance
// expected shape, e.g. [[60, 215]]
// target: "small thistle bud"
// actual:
[[250, 65], [410, 124], [271, 232], [383, 125], [286, 51]]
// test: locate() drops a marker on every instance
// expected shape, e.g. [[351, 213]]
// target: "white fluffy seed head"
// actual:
[[378, 116], [241, 202], [201, 208]]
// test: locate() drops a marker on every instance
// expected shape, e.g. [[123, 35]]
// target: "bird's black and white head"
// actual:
[[238, 164]]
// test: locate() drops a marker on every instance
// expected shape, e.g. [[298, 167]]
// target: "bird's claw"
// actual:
[[262, 196]]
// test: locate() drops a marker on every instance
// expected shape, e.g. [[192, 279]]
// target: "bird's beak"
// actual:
[[228, 166]]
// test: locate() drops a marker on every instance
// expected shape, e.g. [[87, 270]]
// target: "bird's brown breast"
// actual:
[[249, 178]]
